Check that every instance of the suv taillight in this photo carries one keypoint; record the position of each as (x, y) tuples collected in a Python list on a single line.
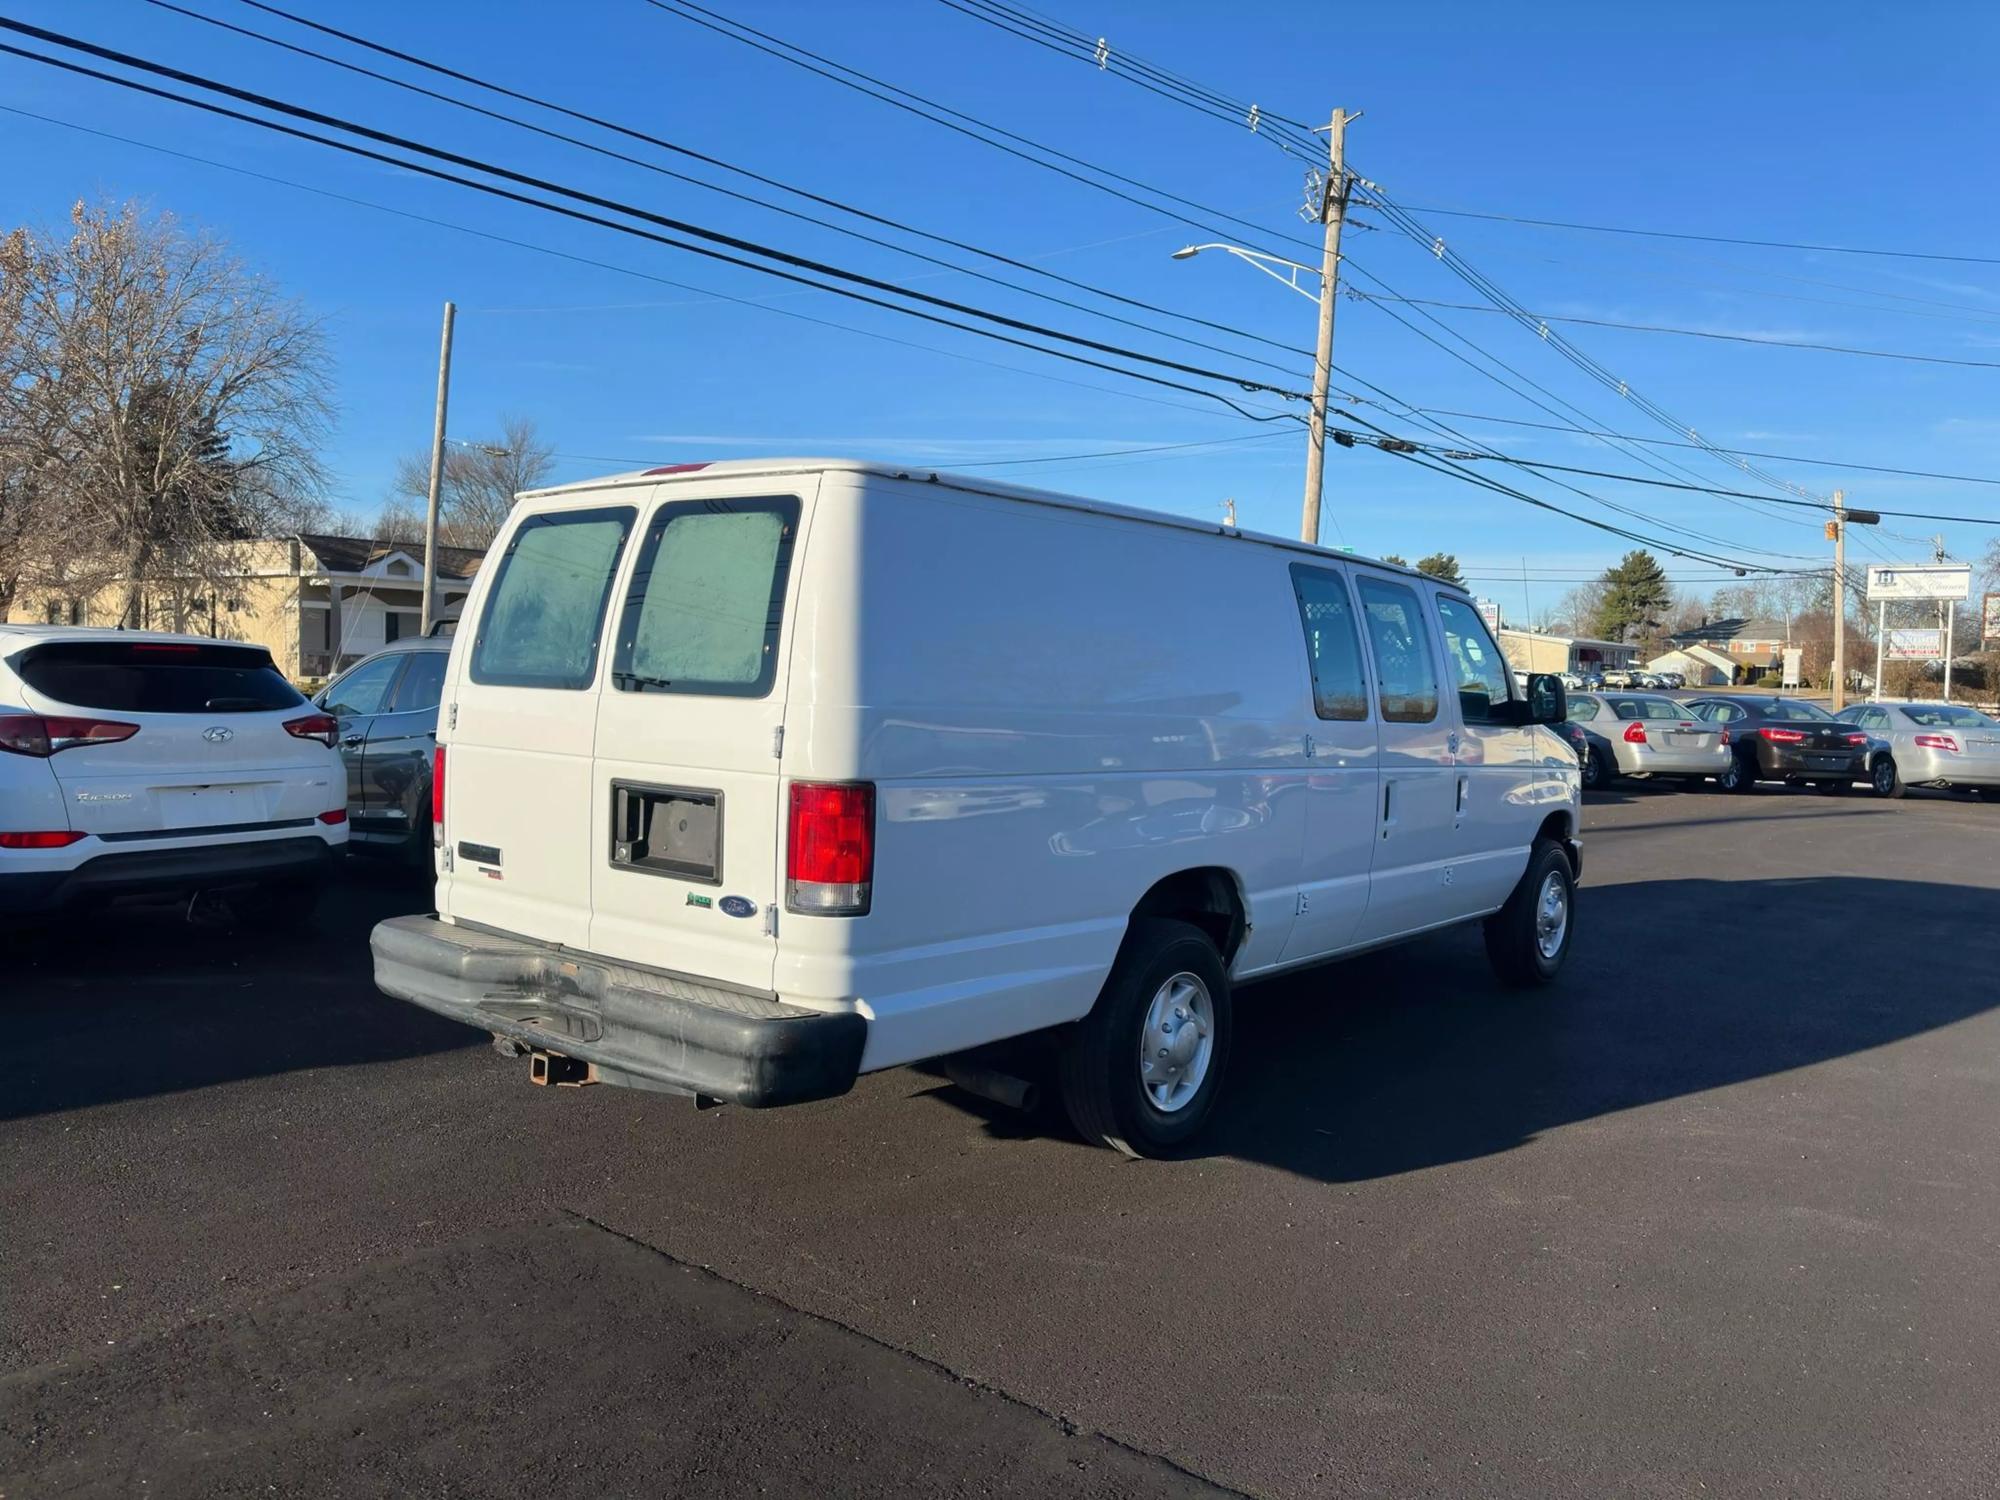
[(437, 795), (1937, 742), (321, 727), (1635, 733), (54, 839), (42, 735), (830, 848)]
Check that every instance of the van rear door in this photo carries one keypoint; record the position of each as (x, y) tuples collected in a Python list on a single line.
[(517, 802), (686, 830)]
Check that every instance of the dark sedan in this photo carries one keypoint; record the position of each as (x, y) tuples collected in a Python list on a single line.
[(1784, 739), (387, 705)]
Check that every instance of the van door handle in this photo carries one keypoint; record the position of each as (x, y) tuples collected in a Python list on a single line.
[(1463, 791), (1388, 806)]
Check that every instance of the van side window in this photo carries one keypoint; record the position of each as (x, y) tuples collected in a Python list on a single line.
[(545, 615), (1332, 646), (707, 598), (1406, 678), (1483, 677)]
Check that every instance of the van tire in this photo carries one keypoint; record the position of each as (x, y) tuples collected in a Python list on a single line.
[(1098, 1056), (1513, 933)]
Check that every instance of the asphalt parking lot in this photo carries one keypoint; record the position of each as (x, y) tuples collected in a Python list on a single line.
[(1720, 1214)]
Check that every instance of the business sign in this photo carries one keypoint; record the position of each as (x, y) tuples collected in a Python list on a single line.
[(1920, 581), (1989, 619), (1794, 667), (1914, 645), (1489, 611)]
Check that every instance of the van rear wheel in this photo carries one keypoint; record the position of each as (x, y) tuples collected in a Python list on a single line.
[(1141, 1072)]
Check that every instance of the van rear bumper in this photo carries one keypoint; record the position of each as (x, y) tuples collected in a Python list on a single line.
[(640, 1027)]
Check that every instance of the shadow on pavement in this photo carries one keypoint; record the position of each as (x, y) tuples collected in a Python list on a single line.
[(1416, 1056), (134, 1001)]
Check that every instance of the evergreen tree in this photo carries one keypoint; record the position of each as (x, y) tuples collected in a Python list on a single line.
[(1636, 599), (1442, 565)]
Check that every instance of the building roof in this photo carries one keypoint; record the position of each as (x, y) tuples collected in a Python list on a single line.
[(1734, 629), (355, 554), (1574, 640)]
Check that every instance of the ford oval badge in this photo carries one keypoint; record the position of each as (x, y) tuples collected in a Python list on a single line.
[(737, 906)]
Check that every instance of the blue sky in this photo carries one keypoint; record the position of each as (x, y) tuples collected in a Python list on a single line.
[(1835, 124)]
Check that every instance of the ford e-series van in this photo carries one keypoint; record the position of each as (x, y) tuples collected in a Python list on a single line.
[(755, 776)]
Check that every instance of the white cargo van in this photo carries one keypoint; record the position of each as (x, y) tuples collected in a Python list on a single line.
[(755, 776)]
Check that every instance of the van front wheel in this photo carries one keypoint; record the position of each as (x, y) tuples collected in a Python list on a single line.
[(1528, 938), (1141, 1072)]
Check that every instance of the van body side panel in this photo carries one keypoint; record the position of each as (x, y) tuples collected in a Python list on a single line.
[(1058, 711)]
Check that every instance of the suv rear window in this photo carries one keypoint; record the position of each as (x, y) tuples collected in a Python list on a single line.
[(707, 598), (545, 614), (156, 677)]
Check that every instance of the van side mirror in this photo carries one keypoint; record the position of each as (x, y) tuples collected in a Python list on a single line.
[(1548, 700)]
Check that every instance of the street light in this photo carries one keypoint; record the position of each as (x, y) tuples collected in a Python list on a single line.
[(1263, 262), (1322, 360)]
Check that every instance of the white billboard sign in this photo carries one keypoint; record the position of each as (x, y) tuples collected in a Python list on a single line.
[(1915, 645), (1920, 581), (1794, 667)]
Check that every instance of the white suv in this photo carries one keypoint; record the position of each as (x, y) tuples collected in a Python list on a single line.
[(755, 776), (137, 764)]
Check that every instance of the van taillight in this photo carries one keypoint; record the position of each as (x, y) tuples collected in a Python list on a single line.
[(437, 795), (830, 848)]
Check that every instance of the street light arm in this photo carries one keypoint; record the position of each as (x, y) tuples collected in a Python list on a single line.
[(1268, 264)]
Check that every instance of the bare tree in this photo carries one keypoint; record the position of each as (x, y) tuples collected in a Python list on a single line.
[(164, 404), (480, 483)]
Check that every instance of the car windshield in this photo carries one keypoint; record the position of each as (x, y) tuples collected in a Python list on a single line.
[(1947, 716), (1796, 712), (1649, 708)]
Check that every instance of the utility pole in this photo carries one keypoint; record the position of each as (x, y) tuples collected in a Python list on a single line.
[(1946, 612), (1332, 214), (1838, 527), (437, 469)]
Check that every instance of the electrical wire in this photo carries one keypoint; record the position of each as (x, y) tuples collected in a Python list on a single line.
[(919, 105), (713, 237), (1695, 333), (707, 160), (1713, 239), (1790, 458)]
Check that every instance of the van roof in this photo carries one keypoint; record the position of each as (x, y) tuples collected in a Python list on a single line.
[(739, 468)]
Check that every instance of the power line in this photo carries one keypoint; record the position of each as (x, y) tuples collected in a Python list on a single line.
[(783, 258), (921, 106), (701, 292), (707, 160), (1791, 458), (1712, 239), (1692, 333)]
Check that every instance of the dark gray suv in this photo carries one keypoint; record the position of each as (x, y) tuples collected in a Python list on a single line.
[(387, 705)]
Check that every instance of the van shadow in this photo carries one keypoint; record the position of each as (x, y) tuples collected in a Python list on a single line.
[(1416, 1056), (133, 1001)]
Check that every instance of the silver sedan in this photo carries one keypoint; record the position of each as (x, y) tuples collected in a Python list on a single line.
[(1645, 734), (1928, 744)]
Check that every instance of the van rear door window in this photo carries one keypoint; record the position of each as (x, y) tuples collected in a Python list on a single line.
[(707, 598), (545, 614)]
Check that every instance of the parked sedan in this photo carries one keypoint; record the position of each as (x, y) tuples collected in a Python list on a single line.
[(1927, 744), (387, 708), (1645, 734), (1783, 739)]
